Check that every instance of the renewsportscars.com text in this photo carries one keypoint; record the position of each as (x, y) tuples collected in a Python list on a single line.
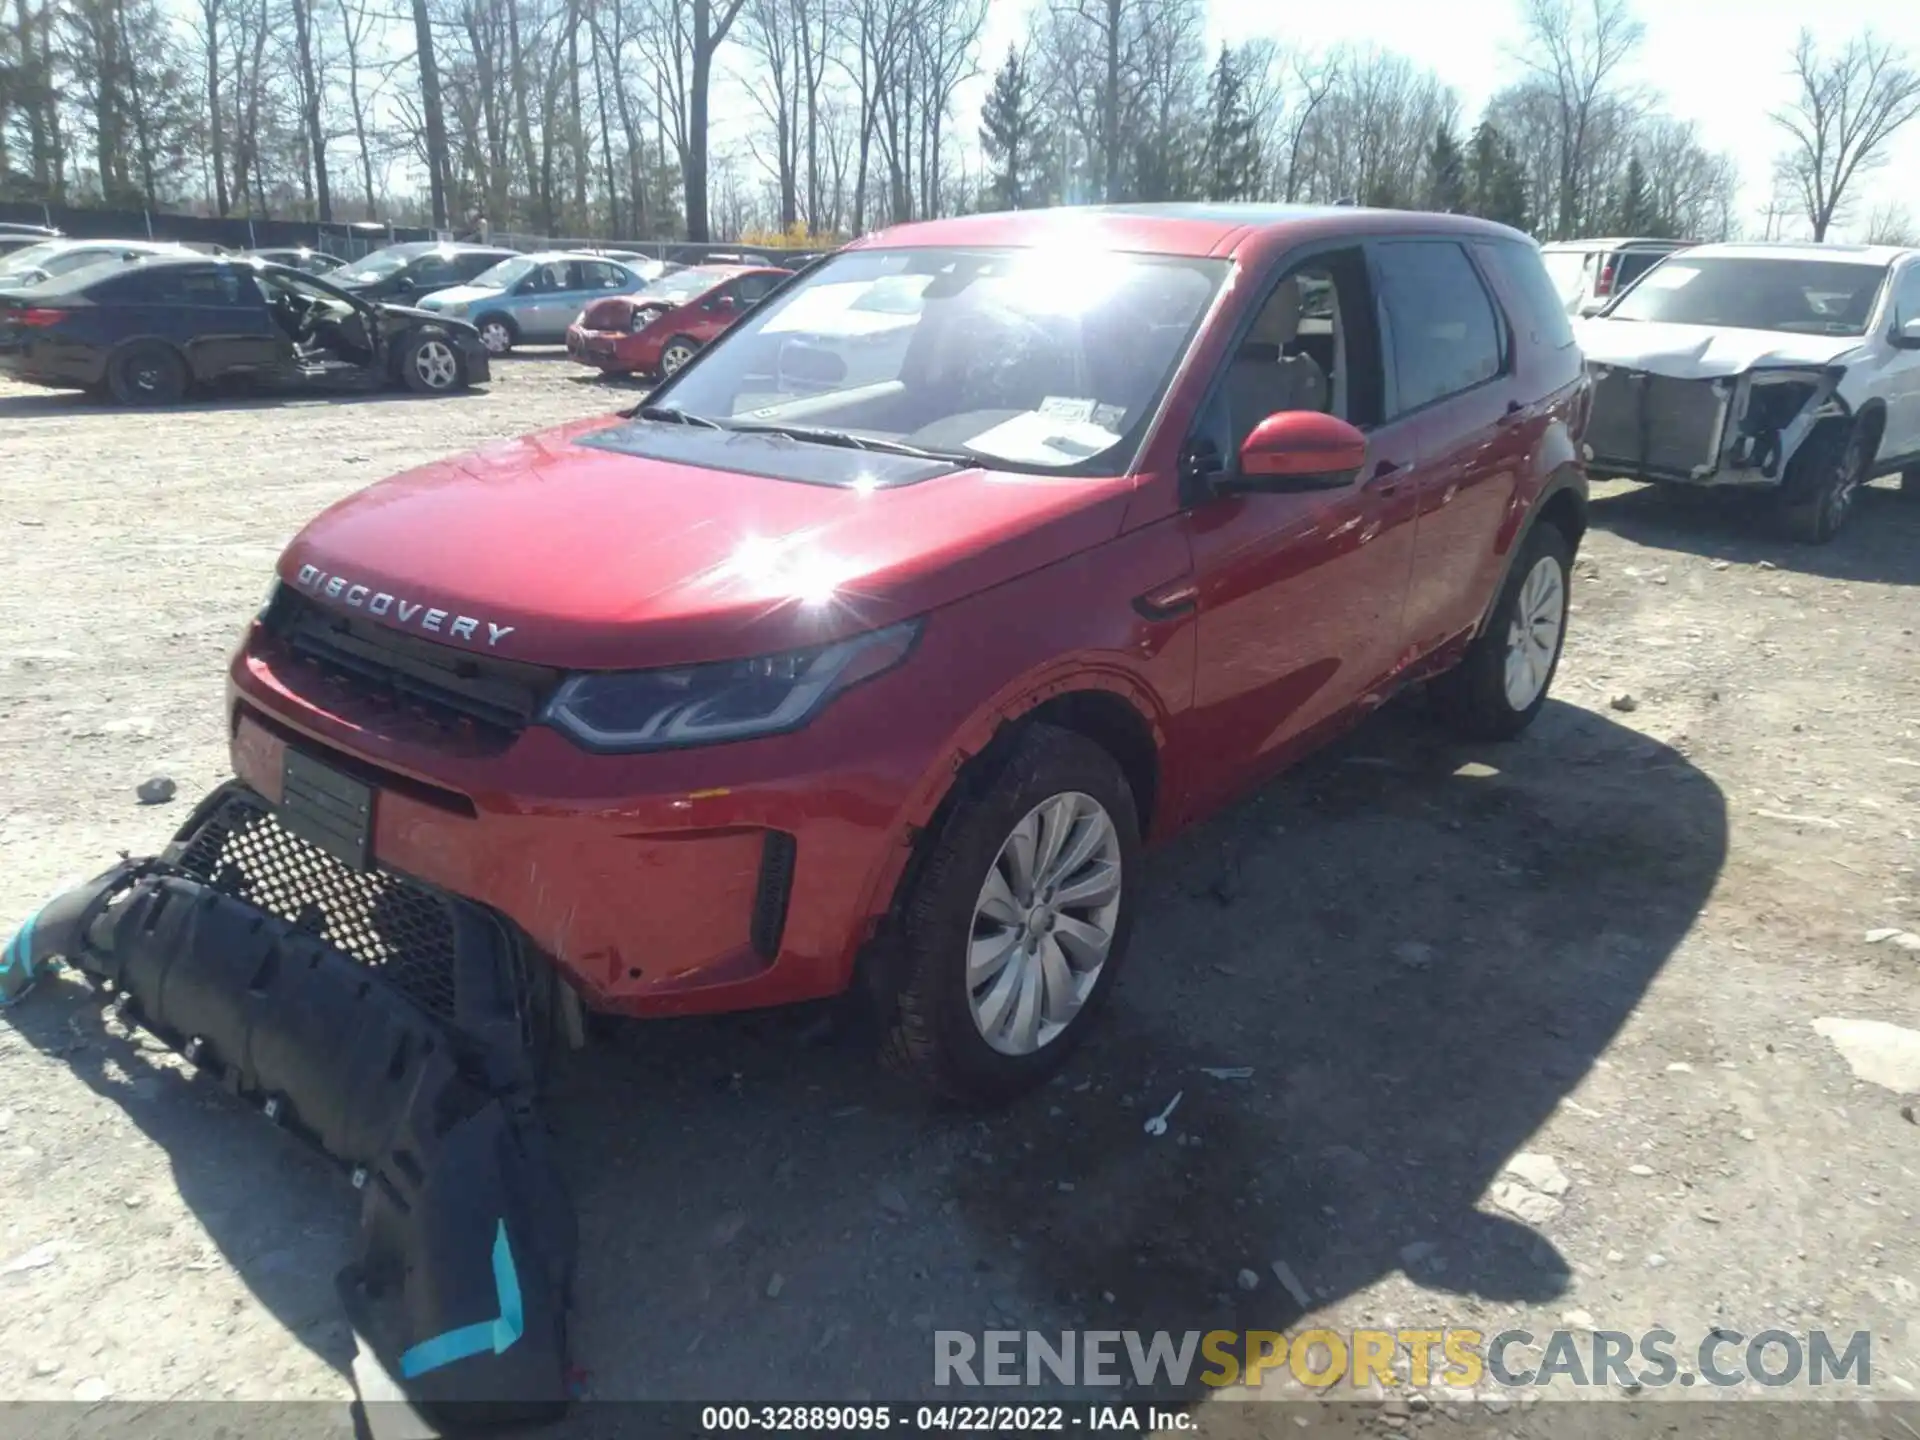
[(1457, 1358)]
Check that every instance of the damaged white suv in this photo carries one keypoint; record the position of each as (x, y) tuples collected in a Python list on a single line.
[(1793, 369)]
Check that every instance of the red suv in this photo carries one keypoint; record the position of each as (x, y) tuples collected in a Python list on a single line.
[(875, 645), (660, 328)]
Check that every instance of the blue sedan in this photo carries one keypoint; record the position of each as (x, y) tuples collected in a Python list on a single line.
[(531, 299)]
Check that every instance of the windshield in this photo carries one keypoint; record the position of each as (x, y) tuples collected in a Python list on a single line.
[(1029, 359), (1803, 297), (377, 266), (682, 285), (507, 273)]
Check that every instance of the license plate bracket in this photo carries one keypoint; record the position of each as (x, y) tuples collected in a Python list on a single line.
[(327, 808)]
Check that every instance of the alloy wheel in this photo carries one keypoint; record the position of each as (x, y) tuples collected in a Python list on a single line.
[(1043, 923), (435, 364), (1534, 632), (496, 337), (675, 357)]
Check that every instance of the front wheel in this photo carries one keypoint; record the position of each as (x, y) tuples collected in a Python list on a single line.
[(430, 367), (496, 333), (1502, 683), (1016, 926), (1823, 479)]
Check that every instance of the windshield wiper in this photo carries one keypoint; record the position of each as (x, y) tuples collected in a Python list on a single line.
[(666, 414), (846, 441)]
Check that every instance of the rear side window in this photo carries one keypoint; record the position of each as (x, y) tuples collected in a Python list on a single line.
[(1444, 335), (1633, 264), (1541, 315), (467, 266)]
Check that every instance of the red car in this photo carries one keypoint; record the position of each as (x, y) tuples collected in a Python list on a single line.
[(873, 648), (657, 330)]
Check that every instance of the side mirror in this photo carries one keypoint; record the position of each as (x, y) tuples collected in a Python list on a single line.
[(1906, 336), (1297, 450), (723, 302)]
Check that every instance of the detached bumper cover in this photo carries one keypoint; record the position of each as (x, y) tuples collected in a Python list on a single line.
[(462, 1273)]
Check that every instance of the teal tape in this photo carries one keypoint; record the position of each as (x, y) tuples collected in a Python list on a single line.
[(495, 1335), (19, 952)]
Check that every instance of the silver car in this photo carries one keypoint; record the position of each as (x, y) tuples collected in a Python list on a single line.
[(31, 264), (531, 299)]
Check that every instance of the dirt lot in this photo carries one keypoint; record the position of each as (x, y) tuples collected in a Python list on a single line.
[(1604, 948)]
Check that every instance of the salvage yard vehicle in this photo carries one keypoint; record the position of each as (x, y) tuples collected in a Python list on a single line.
[(18, 237), (657, 330), (532, 299), (32, 264), (1790, 371), (877, 683), (147, 331), (403, 273), (1590, 273), (299, 257)]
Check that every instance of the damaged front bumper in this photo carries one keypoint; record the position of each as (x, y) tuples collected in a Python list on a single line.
[(461, 1279), (1729, 430)]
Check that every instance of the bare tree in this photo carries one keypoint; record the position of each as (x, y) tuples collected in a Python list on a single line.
[(1577, 47), (432, 115), (1850, 104), (1892, 225)]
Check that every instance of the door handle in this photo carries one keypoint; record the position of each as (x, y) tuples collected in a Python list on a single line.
[(1385, 477), (1513, 415)]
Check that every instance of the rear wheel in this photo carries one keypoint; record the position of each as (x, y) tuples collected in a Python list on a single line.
[(147, 373), (496, 333), (1015, 928), (1494, 693), (677, 353), (430, 366), (1822, 482)]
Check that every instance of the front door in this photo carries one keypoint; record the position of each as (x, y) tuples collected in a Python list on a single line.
[(1902, 438), (1299, 595)]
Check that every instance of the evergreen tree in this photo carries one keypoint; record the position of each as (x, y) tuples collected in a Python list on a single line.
[(1496, 181), (1634, 210), (1007, 134), (1233, 152), (1446, 172)]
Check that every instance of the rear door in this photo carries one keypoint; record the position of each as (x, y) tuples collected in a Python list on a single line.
[(214, 315), (1450, 350)]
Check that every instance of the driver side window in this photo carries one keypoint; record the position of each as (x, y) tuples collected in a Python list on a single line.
[(1906, 296), (1312, 345)]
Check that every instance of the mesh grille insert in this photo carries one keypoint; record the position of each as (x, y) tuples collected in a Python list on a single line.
[(385, 921)]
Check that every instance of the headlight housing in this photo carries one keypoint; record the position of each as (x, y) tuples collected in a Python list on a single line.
[(635, 710)]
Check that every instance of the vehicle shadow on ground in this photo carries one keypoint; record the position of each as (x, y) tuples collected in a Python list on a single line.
[(1417, 964), (1881, 542)]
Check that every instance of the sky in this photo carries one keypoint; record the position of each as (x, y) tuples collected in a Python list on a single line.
[(1721, 63)]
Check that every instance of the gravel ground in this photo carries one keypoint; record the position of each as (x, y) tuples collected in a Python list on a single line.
[(1532, 1029)]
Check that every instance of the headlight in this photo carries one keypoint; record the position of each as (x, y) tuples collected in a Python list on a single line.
[(733, 700), (451, 307), (641, 319), (266, 603)]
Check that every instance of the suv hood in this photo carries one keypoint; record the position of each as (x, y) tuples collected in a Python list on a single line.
[(582, 558), (1701, 352)]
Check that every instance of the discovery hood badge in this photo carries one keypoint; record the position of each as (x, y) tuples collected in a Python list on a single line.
[(412, 614)]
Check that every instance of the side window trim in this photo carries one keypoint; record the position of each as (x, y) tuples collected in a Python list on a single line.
[(1502, 327)]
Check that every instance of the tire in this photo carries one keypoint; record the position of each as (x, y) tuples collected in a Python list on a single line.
[(1475, 699), (1822, 482), (937, 1025), (498, 333), (147, 373), (431, 366), (675, 354)]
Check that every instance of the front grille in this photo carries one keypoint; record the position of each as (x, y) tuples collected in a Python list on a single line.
[(1654, 423), (450, 687), (405, 930)]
